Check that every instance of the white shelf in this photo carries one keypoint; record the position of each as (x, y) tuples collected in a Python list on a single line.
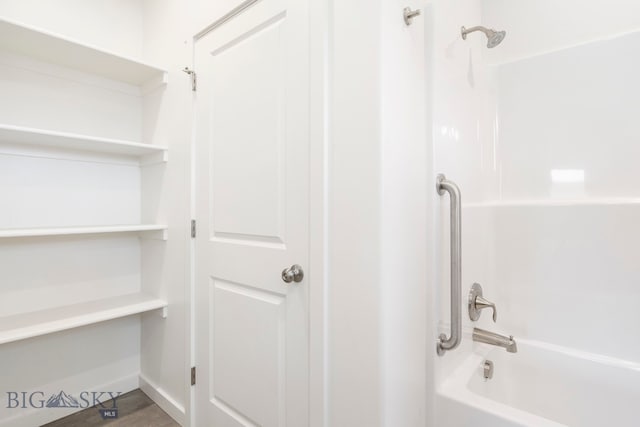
[(66, 231), (28, 325), (57, 49), (10, 134)]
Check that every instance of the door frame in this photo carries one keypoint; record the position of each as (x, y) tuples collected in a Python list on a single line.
[(316, 273)]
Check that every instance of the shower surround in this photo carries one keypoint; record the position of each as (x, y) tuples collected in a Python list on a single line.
[(541, 134)]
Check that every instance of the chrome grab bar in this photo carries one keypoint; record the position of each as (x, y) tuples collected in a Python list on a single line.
[(443, 185)]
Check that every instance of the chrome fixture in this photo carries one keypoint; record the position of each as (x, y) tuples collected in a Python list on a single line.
[(191, 74), (508, 343), (409, 14), (478, 303), (443, 185), (494, 38), (293, 274), (487, 368)]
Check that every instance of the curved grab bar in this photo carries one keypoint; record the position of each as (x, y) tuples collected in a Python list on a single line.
[(443, 185)]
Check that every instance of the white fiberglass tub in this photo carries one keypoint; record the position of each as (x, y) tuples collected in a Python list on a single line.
[(540, 386)]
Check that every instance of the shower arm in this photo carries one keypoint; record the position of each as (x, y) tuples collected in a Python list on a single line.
[(444, 344), (466, 31)]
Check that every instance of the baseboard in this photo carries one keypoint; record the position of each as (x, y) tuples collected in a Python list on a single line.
[(37, 417), (163, 400)]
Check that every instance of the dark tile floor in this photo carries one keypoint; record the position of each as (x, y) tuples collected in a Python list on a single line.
[(135, 409)]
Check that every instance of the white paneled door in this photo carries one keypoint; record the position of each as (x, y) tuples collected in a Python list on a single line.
[(252, 193)]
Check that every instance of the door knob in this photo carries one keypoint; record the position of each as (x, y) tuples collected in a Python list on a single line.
[(293, 274)]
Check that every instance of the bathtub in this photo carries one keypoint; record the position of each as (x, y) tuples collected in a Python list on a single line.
[(540, 386)]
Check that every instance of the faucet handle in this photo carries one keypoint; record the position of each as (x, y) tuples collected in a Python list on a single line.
[(477, 303), (482, 303)]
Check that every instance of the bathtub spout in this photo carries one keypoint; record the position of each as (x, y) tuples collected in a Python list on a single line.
[(508, 343)]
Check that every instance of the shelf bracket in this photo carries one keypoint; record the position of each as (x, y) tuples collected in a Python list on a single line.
[(155, 83), (155, 158), (155, 235), (165, 312)]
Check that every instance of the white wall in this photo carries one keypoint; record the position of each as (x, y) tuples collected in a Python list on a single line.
[(166, 351), (405, 189), (354, 294), (56, 98), (377, 217), (115, 25), (536, 27)]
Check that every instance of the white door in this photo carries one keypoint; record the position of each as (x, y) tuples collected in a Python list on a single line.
[(252, 179)]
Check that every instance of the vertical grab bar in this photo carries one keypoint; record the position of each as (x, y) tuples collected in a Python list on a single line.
[(443, 185)]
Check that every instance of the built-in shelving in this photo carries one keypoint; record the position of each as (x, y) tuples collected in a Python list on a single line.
[(81, 223), (37, 323), (67, 231), (21, 135), (60, 50)]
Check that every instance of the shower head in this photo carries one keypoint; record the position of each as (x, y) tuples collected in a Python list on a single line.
[(494, 38)]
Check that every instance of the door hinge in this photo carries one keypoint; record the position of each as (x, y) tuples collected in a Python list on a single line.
[(193, 375), (192, 74), (193, 228)]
